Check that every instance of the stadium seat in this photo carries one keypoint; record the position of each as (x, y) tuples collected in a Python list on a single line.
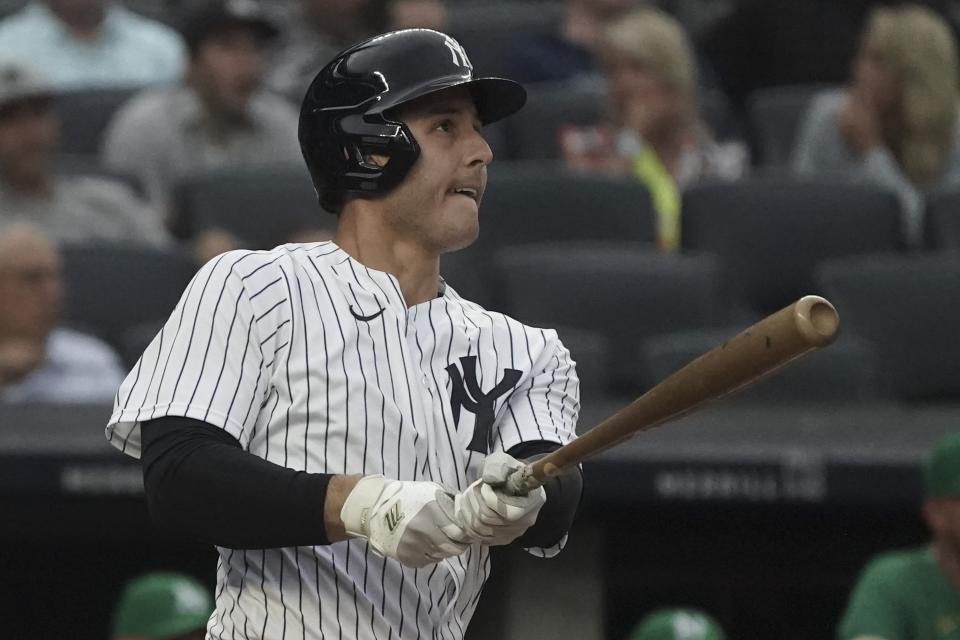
[(83, 165), (942, 221), (909, 307), (533, 202), (776, 115), (844, 372), (115, 290), (490, 31), (84, 117), (533, 133), (770, 232), (263, 206), (620, 291)]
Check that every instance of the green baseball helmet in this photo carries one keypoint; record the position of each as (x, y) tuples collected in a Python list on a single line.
[(941, 469), (159, 606), (678, 624)]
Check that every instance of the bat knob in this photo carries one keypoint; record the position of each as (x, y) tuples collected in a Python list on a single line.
[(816, 319)]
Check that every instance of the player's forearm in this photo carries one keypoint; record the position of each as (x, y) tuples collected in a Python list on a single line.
[(200, 482)]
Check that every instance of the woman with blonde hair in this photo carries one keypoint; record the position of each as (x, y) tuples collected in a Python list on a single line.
[(895, 124), (655, 131)]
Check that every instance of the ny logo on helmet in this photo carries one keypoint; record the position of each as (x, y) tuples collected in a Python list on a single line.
[(466, 393), (456, 50)]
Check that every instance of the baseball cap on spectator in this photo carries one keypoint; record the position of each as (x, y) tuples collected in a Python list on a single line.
[(207, 17), (19, 83), (941, 469), (678, 624), (162, 605)]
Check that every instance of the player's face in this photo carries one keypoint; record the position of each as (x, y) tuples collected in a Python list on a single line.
[(438, 202), (226, 69), (28, 139)]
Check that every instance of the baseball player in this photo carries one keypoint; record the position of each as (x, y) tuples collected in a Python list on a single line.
[(333, 416)]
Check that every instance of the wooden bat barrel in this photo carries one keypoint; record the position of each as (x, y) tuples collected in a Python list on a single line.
[(808, 324)]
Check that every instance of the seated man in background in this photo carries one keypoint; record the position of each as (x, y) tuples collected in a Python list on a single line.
[(67, 208), (657, 134), (82, 44), (914, 594), (40, 362), (315, 32), (162, 606), (677, 624), (895, 124), (220, 117)]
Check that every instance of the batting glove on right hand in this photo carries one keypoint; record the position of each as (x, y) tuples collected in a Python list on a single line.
[(489, 514), (412, 522)]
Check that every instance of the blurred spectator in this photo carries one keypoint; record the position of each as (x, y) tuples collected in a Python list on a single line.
[(914, 594), (162, 606), (91, 43), (571, 51), (895, 124), (393, 15), (766, 43), (317, 31), (677, 624), (40, 362), (657, 133), (65, 207), (220, 117)]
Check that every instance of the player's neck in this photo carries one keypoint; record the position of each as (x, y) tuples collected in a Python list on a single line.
[(417, 270)]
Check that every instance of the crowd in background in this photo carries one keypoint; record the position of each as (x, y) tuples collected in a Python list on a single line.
[(190, 88)]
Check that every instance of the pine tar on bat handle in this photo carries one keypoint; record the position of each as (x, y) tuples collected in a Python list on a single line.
[(808, 324)]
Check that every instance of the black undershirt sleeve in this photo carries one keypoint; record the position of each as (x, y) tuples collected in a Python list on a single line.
[(199, 481), (563, 499)]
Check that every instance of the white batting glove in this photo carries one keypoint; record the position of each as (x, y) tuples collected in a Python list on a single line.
[(412, 522), (489, 515)]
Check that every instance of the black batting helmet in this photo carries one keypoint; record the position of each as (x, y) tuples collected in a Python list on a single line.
[(345, 115)]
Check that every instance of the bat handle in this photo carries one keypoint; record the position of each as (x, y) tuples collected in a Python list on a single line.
[(522, 481)]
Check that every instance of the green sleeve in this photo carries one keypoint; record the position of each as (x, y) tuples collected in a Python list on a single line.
[(874, 608)]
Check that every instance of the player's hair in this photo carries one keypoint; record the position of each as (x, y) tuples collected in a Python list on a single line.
[(919, 47), (654, 39)]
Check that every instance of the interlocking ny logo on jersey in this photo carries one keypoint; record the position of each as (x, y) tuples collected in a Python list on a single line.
[(466, 394), (393, 517)]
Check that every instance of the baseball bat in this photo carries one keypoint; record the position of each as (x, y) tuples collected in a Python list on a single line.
[(808, 324)]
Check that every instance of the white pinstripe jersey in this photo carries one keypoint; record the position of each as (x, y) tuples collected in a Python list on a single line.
[(314, 362)]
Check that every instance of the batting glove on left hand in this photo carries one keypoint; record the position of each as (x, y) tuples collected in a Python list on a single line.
[(490, 515)]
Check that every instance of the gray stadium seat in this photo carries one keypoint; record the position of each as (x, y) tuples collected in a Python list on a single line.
[(490, 31), (776, 115), (115, 289), (84, 117), (620, 291), (533, 133), (846, 371), (533, 202), (83, 165), (263, 206), (942, 221), (909, 307), (770, 232)]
